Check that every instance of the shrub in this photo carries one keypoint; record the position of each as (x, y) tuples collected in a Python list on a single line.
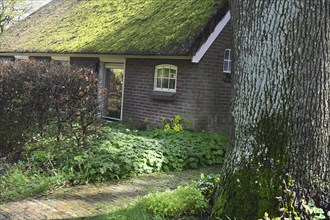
[(188, 149), (121, 152), (206, 185), (45, 98)]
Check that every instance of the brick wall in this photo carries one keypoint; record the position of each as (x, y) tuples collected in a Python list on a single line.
[(203, 93), (140, 102), (213, 98)]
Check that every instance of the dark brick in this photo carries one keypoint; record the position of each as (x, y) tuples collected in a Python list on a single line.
[(203, 97)]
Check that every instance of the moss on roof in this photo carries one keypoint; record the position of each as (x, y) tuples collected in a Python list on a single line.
[(167, 27)]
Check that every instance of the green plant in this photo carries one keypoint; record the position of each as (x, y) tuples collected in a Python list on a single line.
[(132, 212), (20, 182), (116, 152), (313, 212), (206, 184), (144, 125), (173, 125), (292, 209), (122, 152), (182, 203)]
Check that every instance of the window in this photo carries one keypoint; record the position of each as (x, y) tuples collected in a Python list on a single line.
[(227, 61), (165, 78), (7, 58)]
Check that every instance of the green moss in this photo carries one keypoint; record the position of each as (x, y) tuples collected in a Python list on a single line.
[(248, 195), (251, 190), (117, 27)]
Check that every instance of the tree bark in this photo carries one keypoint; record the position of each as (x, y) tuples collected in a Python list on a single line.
[(281, 106)]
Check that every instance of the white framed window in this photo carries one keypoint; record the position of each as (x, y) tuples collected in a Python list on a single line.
[(227, 61), (165, 78)]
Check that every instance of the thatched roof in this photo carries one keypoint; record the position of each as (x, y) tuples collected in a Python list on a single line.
[(129, 27)]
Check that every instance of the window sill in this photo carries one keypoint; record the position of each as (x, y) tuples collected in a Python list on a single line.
[(163, 96)]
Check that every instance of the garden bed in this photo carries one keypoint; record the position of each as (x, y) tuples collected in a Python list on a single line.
[(116, 152)]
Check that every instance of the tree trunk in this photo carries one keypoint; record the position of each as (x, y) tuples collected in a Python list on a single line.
[(281, 106)]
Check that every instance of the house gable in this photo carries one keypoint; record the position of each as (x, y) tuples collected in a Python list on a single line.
[(213, 36)]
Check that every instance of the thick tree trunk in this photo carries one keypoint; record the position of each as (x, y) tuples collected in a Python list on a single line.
[(281, 105)]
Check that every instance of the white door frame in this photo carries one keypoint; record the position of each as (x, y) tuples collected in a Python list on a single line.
[(113, 65)]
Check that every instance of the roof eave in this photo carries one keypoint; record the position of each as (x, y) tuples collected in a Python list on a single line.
[(218, 29)]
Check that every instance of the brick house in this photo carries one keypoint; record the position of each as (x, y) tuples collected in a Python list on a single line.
[(156, 58)]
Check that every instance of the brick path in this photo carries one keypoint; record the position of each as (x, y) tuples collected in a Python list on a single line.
[(92, 200)]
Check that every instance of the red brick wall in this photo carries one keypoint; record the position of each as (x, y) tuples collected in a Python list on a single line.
[(203, 94)]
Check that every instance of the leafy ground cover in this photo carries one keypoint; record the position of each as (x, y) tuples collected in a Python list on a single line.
[(117, 152)]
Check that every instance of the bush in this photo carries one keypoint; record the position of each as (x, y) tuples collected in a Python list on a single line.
[(206, 185), (122, 152), (45, 98)]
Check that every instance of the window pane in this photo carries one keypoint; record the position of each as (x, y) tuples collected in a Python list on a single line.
[(229, 66), (165, 84), (173, 73), (159, 83), (227, 54), (226, 66), (160, 72), (166, 72), (172, 84), (165, 76)]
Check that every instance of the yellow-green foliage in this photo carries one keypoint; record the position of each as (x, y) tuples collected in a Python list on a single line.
[(110, 26), (174, 125)]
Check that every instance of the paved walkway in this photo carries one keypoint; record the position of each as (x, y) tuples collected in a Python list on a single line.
[(93, 200)]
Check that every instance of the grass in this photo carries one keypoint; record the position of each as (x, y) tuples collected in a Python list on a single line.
[(187, 202)]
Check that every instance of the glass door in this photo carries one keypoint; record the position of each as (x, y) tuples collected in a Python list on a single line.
[(113, 83)]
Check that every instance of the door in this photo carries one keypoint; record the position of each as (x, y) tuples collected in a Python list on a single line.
[(114, 84)]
